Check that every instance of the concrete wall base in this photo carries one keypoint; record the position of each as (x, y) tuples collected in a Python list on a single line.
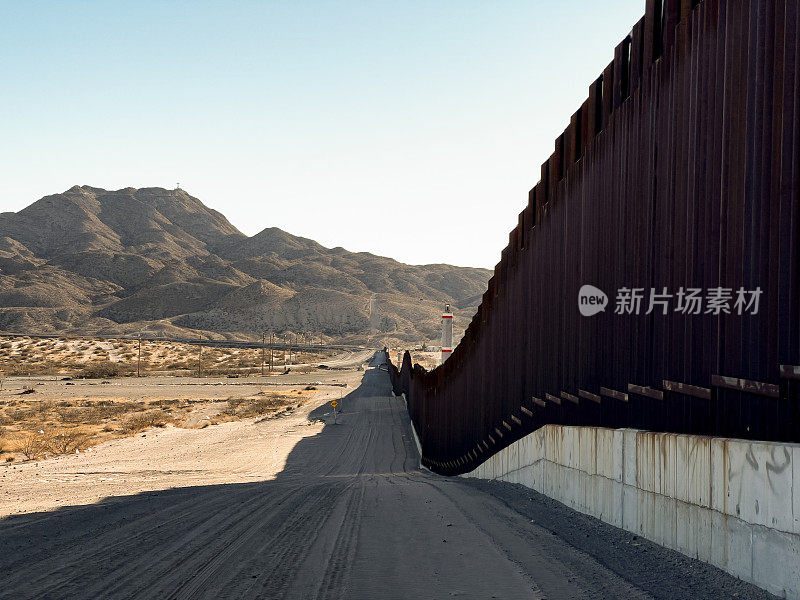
[(732, 503), (414, 433)]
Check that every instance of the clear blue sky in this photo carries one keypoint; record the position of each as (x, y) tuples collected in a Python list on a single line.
[(411, 129)]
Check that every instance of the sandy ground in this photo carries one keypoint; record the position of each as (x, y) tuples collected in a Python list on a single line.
[(154, 388), (99, 410), (292, 508), (158, 459)]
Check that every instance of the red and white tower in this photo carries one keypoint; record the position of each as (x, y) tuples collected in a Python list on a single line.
[(447, 333)]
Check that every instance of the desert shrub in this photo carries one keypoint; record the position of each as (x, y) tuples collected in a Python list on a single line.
[(32, 446), (110, 410), (67, 441), (233, 406), (43, 407), (21, 414), (253, 407), (96, 413), (76, 414), (179, 364), (165, 403), (102, 370), (144, 420)]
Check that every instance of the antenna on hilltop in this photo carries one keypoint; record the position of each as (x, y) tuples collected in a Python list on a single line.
[(177, 186)]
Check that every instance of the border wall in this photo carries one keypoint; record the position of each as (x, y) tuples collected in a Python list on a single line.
[(681, 169)]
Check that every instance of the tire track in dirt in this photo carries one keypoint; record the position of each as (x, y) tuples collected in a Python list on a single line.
[(334, 582), (267, 547), (351, 515)]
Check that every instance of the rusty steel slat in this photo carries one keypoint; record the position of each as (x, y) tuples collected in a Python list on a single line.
[(556, 166), (526, 411), (585, 136), (646, 391), (651, 33), (542, 193), (672, 10), (594, 122), (538, 401), (619, 76), (637, 55), (746, 385), (688, 390), (608, 94), (569, 143)]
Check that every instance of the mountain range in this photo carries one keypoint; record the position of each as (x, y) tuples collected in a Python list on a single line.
[(96, 262)]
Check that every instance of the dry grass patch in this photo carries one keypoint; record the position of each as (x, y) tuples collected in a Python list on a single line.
[(244, 408), (145, 420), (35, 429)]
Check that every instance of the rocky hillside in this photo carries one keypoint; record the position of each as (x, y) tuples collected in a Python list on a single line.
[(102, 262)]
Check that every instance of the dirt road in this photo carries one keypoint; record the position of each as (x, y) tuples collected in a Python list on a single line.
[(349, 359), (347, 515)]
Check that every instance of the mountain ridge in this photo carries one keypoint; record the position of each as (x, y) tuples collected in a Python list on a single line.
[(95, 261)]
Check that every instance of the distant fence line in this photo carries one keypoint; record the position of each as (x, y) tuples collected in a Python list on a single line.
[(680, 170)]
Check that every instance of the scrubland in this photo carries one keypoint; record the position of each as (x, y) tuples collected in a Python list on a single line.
[(61, 396)]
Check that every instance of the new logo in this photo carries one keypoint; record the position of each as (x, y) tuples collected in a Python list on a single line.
[(591, 300)]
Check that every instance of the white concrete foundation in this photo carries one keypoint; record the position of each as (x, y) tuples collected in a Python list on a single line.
[(414, 432), (732, 503)]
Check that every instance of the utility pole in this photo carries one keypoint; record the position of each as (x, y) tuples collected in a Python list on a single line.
[(263, 351), (139, 360), (200, 359), (271, 350)]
